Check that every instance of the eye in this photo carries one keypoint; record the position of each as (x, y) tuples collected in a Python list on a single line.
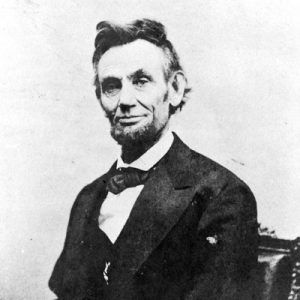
[(111, 87), (141, 81)]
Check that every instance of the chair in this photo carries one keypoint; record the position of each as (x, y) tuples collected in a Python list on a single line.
[(278, 274)]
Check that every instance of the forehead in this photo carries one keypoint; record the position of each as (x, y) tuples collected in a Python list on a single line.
[(126, 59)]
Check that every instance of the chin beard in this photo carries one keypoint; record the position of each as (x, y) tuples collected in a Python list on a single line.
[(136, 142), (141, 137)]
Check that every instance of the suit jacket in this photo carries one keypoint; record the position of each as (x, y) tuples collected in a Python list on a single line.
[(192, 234)]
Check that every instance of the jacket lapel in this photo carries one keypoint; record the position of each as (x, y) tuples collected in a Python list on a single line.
[(165, 196)]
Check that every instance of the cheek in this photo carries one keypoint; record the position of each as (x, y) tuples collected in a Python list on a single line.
[(153, 100), (161, 112), (109, 105), (161, 109)]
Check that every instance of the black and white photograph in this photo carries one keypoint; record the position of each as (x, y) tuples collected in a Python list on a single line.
[(150, 150)]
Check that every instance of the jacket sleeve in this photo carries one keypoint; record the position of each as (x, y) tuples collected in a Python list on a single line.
[(228, 233), (57, 282)]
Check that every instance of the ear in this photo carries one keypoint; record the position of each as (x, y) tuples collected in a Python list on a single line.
[(177, 84)]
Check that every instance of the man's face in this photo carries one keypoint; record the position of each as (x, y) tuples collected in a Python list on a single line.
[(134, 91)]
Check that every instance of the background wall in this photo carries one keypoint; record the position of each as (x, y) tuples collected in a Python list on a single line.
[(243, 62)]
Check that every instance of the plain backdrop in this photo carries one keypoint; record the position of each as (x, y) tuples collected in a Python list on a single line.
[(242, 59)]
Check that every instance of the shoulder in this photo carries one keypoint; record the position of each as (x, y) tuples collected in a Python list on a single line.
[(217, 186), (220, 180), (214, 173), (87, 195), (225, 194), (200, 169)]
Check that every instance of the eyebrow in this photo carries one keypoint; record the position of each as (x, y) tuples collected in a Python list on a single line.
[(108, 78), (136, 74), (140, 73)]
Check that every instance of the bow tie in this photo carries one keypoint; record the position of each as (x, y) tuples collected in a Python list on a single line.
[(124, 178)]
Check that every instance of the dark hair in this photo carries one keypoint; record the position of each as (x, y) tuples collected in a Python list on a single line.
[(111, 35)]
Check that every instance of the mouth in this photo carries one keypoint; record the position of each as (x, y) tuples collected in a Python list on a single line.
[(129, 120)]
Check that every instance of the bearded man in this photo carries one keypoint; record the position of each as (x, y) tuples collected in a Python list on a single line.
[(165, 222)]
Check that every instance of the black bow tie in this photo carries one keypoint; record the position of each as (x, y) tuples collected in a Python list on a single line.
[(124, 178)]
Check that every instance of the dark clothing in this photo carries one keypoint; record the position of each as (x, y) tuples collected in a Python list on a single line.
[(192, 234)]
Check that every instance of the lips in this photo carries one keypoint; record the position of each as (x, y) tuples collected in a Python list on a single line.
[(128, 120)]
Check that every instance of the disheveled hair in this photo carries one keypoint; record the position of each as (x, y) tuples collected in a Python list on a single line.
[(111, 35)]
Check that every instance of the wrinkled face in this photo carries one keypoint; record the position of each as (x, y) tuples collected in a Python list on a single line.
[(134, 91)]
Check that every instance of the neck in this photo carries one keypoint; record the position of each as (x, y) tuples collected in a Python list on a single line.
[(134, 150)]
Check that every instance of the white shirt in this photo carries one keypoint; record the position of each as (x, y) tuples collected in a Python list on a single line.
[(115, 209)]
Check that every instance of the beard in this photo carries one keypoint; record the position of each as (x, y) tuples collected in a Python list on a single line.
[(135, 142), (140, 137)]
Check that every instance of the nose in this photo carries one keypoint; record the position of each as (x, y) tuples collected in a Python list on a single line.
[(127, 97)]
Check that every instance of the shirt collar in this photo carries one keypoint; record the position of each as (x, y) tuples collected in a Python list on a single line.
[(152, 156)]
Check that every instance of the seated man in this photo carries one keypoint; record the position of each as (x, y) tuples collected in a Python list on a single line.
[(165, 222)]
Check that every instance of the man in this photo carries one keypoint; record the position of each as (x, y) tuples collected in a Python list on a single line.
[(164, 222)]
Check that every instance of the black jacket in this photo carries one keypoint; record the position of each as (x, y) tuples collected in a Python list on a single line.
[(192, 234)]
